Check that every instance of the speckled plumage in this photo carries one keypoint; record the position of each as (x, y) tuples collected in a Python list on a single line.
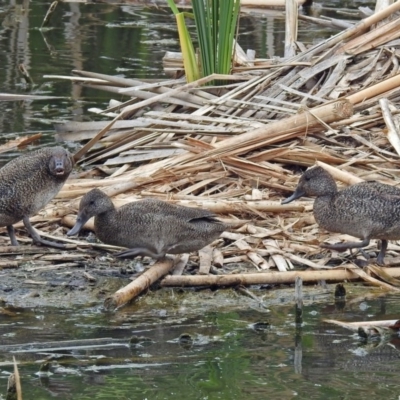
[(148, 227), (28, 183), (368, 210)]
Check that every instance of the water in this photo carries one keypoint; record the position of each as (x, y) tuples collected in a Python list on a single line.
[(228, 357), (127, 40)]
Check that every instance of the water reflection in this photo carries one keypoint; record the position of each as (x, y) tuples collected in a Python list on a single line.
[(229, 357), (129, 40)]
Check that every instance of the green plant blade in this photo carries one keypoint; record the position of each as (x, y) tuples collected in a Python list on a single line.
[(188, 53), (216, 22)]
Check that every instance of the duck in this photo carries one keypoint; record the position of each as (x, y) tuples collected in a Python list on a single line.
[(366, 210), (27, 184), (148, 227)]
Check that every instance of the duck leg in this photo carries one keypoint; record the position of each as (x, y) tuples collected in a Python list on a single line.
[(365, 254), (11, 233), (36, 237), (381, 255), (140, 252), (346, 245)]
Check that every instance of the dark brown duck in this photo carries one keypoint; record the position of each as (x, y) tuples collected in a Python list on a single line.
[(148, 227), (367, 210), (28, 183)]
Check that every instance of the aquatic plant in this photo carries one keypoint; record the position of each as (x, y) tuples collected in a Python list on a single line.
[(216, 22)]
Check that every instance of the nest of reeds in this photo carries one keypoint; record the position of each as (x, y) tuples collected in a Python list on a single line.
[(238, 149)]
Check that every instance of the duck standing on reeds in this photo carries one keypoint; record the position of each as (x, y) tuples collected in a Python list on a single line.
[(148, 227), (28, 183), (367, 210)]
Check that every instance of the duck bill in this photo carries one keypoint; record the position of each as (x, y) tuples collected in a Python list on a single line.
[(80, 221), (296, 195)]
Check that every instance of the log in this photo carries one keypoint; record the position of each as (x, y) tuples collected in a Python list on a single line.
[(143, 282), (337, 275), (8, 264)]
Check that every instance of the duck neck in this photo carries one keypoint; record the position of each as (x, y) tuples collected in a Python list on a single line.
[(104, 219), (328, 188)]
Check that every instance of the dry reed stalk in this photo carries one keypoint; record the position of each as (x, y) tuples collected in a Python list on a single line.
[(278, 259), (376, 90), (372, 39), (328, 22), (354, 326), (392, 130), (205, 260), (375, 282), (17, 378), (241, 161), (128, 110), (255, 258), (181, 264), (263, 278), (291, 16), (303, 261), (9, 264), (340, 175), (358, 29), (143, 282), (218, 258), (19, 142), (299, 123), (381, 274)]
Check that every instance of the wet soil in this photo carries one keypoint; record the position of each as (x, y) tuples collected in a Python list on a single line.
[(36, 276)]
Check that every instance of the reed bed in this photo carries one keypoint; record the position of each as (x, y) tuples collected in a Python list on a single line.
[(238, 149)]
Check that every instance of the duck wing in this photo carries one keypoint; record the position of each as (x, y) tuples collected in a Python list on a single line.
[(364, 210)]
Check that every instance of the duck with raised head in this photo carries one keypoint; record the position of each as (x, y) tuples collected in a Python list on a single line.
[(28, 183), (366, 210), (148, 227)]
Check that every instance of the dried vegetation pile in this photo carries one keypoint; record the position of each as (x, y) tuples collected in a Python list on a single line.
[(238, 150)]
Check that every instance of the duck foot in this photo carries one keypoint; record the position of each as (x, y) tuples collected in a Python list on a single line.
[(37, 240), (346, 245), (43, 242), (361, 263), (379, 259), (369, 260), (131, 253)]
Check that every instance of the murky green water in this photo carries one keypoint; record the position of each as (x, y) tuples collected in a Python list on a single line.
[(228, 358), (237, 350), (128, 40)]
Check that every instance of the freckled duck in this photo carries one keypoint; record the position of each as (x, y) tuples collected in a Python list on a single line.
[(367, 210), (28, 183), (148, 227)]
